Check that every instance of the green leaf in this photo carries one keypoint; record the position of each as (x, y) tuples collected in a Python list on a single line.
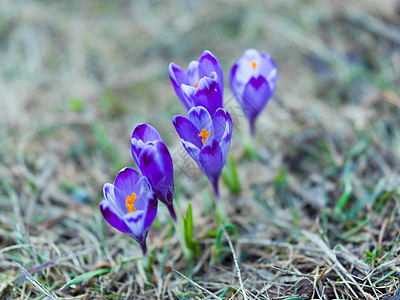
[(282, 178), (379, 251), (347, 191), (189, 226), (86, 276), (369, 254), (384, 277), (76, 104), (230, 177)]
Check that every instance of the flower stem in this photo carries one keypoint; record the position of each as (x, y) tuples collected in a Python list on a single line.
[(144, 247), (252, 123), (249, 147), (144, 265), (179, 226), (172, 211), (216, 190), (220, 212)]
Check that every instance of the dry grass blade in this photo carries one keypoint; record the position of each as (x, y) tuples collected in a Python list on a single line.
[(70, 98), (318, 241), (196, 285), (35, 282), (236, 262)]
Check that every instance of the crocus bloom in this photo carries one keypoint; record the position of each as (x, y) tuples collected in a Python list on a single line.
[(206, 139), (202, 85), (130, 205), (154, 161), (253, 81)]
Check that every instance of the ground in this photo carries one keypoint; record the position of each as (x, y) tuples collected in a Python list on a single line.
[(314, 211)]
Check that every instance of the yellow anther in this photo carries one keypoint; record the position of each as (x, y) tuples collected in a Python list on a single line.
[(129, 203), (204, 134), (254, 65)]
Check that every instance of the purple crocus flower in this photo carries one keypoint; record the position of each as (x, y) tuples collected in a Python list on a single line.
[(202, 85), (154, 161), (130, 205), (206, 139), (253, 81)]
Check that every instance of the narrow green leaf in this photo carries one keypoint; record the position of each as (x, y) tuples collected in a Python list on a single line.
[(230, 177), (189, 226), (348, 190), (85, 276), (384, 277), (369, 254)]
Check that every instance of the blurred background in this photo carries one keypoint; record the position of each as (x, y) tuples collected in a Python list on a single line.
[(76, 77)]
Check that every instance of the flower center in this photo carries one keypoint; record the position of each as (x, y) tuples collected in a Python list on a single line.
[(196, 85), (129, 203), (204, 134), (254, 65)]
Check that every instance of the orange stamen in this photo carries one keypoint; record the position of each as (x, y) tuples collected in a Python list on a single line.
[(204, 134), (129, 203), (254, 65), (196, 84)]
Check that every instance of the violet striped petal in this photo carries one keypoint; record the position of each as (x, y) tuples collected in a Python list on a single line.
[(212, 161), (126, 180), (156, 165), (178, 77), (255, 96), (209, 64), (113, 217), (187, 130)]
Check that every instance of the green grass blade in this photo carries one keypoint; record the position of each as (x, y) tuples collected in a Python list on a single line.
[(85, 276)]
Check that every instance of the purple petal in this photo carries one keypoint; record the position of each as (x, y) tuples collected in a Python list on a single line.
[(142, 134), (222, 122), (146, 133), (200, 118), (140, 220), (255, 96), (209, 64), (136, 148), (149, 201), (178, 77), (135, 222), (144, 193), (146, 201), (212, 161), (126, 181), (194, 73), (112, 217), (156, 165), (193, 151), (269, 69), (251, 55), (233, 84), (243, 70), (187, 131), (116, 201), (188, 93), (208, 94)]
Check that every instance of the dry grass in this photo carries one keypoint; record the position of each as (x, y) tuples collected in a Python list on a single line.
[(78, 76)]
